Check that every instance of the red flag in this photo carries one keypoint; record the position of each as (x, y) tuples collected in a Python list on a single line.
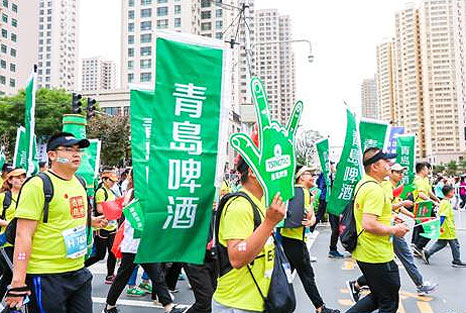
[(117, 242), (112, 209), (398, 191)]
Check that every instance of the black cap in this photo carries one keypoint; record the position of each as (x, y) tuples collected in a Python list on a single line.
[(379, 156), (67, 140)]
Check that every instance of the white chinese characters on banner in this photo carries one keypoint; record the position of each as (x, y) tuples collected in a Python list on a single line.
[(189, 100)]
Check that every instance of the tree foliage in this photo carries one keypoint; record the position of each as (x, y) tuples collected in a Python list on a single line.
[(114, 132), (306, 153), (50, 107)]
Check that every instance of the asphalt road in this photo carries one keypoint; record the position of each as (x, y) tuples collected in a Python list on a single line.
[(331, 275)]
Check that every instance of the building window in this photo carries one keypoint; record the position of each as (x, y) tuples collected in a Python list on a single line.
[(161, 1), (5, 3), (177, 9), (131, 15), (13, 37), (131, 52), (205, 15), (219, 35), (219, 24), (177, 22), (14, 8), (146, 13), (161, 24), (146, 2), (145, 64), (130, 77), (2, 80), (147, 25), (4, 18), (163, 11), (131, 39), (205, 3), (3, 64), (12, 67), (206, 26), (14, 22), (131, 27), (146, 38), (131, 3), (3, 48), (146, 51), (130, 65), (219, 13), (145, 77), (12, 82), (4, 33)]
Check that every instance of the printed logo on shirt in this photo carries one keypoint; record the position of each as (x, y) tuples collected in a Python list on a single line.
[(77, 209)]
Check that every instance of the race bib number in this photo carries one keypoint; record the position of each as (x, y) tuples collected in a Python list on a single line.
[(269, 257), (75, 242)]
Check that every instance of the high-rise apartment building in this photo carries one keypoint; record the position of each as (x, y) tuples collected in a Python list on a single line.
[(18, 44), (369, 104), (58, 44), (384, 82), (275, 62), (459, 26), (98, 74)]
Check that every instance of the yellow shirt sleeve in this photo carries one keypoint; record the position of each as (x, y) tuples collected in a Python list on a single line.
[(445, 207), (238, 220), (32, 206), (100, 195)]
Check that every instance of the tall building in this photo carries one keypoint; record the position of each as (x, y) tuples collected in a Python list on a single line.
[(385, 81), (275, 62), (444, 129), (18, 44), (98, 74), (369, 104), (58, 44)]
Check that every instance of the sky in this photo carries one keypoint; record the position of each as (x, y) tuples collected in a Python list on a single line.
[(344, 36)]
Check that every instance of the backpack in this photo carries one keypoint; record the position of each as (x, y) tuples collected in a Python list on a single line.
[(6, 203), (348, 233), (10, 231), (281, 297)]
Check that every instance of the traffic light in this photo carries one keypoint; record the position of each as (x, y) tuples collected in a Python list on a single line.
[(76, 103), (90, 107)]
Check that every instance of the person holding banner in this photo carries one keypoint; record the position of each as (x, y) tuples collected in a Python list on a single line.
[(448, 231), (374, 250), (48, 262), (103, 239), (9, 196)]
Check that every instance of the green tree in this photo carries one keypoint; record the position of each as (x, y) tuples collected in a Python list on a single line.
[(50, 107), (114, 132), (452, 167)]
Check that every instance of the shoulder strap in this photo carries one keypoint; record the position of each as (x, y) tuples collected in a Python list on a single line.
[(6, 203), (356, 193), (48, 194)]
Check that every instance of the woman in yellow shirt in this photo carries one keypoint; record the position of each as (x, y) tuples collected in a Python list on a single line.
[(10, 190)]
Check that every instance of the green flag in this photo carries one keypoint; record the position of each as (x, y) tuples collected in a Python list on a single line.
[(32, 164), (423, 209), (349, 169), (2, 156), (373, 133), (322, 147), (133, 213), (431, 229), (406, 156), (178, 135)]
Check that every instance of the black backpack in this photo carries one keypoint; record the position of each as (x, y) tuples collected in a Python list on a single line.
[(10, 231), (348, 233), (6, 203)]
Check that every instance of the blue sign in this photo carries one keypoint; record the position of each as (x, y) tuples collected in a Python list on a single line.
[(395, 131)]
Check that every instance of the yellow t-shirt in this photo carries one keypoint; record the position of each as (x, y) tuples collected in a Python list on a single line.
[(448, 230), (298, 233), (100, 197), (422, 185), (10, 212), (236, 289), (371, 199), (67, 213)]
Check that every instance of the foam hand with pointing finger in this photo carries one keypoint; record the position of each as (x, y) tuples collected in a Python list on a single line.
[(273, 160)]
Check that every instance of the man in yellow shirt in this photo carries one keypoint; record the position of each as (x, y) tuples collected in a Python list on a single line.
[(374, 250), (49, 252), (244, 251)]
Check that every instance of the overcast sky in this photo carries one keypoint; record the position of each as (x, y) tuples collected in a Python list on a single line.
[(344, 35)]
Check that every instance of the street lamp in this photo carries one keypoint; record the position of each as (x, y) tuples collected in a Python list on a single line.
[(310, 57)]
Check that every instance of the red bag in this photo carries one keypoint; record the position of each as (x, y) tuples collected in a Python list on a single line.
[(117, 242), (112, 209)]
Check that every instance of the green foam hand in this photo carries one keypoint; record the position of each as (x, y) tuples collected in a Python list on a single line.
[(273, 161)]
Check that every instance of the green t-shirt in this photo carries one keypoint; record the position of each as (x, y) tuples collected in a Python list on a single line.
[(448, 230), (100, 197), (371, 199), (67, 213), (10, 212), (236, 289)]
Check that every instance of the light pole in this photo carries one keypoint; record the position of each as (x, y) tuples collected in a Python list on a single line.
[(310, 57)]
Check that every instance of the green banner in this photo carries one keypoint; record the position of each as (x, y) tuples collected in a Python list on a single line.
[(323, 152), (406, 156), (20, 157), (176, 133), (373, 133), (29, 124), (133, 213), (2, 157), (349, 169)]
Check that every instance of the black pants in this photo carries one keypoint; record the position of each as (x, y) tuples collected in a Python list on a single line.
[(61, 293), (298, 255), (320, 214), (172, 273), (154, 270), (103, 242), (383, 280), (7, 275), (203, 279), (334, 225)]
